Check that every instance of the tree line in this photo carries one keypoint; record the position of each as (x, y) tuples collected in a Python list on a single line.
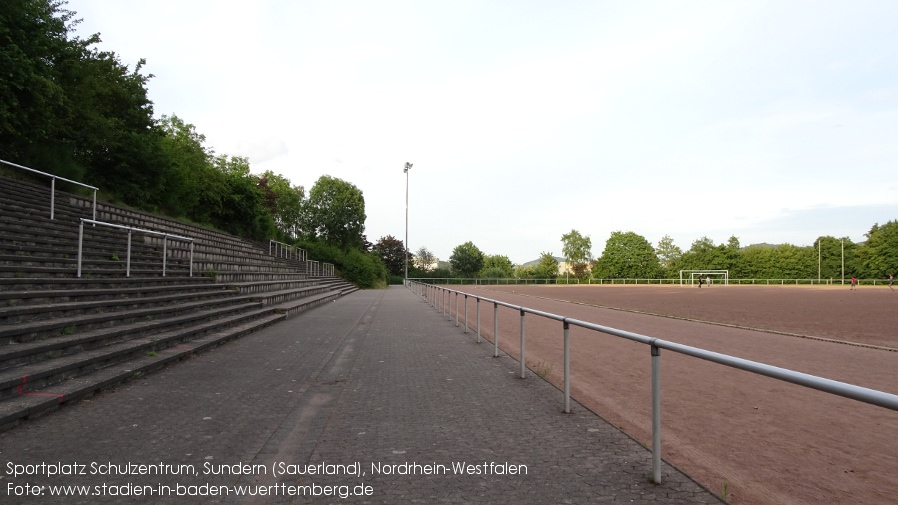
[(628, 255), (75, 111)]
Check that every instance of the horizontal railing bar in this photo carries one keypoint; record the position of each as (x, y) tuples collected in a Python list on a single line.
[(49, 175), (139, 230)]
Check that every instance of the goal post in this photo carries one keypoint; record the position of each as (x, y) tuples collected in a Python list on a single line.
[(722, 276)]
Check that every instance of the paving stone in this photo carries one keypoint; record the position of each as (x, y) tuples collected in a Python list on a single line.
[(377, 378)]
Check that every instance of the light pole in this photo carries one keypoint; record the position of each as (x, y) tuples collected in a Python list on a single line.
[(408, 166)]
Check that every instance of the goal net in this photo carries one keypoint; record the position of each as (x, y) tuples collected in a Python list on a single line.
[(715, 276)]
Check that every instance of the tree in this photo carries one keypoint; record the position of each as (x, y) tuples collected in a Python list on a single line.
[(547, 268), (241, 210), (33, 39), (668, 254), (283, 201), (577, 251), (336, 212), (392, 252), (466, 259), (879, 255), (628, 256), (424, 259), (703, 255), (497, 266)]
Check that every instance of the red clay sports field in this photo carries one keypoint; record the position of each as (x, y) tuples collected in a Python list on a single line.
[(756, 439)]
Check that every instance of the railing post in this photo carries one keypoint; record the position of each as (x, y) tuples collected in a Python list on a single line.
[(456, 309), (128, 266), (567, 368), (52, 196), (523, 358), (191, 259), (466, 312), (164, 253), (80, 242), (656, 414), (495, 330), (95, 206), (478, 320)]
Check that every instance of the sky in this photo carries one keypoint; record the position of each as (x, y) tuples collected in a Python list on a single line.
[(773, 122)]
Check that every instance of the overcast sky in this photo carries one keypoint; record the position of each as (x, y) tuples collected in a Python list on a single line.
[(771, 121)]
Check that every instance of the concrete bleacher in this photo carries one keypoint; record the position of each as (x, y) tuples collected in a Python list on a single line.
[(63, 337)]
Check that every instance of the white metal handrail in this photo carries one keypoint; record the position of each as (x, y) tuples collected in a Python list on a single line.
[(53, 187), (440, 298), (130, 229), (282, 250)]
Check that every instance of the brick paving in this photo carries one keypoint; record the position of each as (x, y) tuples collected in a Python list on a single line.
[(378, 379)]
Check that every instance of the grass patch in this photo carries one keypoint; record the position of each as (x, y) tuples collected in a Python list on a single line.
[(540, 368)]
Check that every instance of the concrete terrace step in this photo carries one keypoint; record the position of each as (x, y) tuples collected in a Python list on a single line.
[(63, 338), (33, 351), (74, 283), (46, 328), (30, 403), (29, 312)]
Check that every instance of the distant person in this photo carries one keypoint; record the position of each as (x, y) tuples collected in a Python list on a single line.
[(853, 283), (891, 281), (700, 281), (708, 281)]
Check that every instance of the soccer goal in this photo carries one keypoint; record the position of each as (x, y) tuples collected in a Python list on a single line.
[(715, 276)]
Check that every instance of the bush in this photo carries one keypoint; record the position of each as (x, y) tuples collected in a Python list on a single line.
[(365, 270)]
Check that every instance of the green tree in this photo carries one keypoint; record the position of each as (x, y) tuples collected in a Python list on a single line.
[(879, 255), (336, 212), (424, 259), (704, 255), (628, 255), (189, 173), (392, 252), (577, 251), (546, 268), (497, 266), (34, 39), (829, 257), (466, 259), (242, 211), (668, 255), (283, 201)]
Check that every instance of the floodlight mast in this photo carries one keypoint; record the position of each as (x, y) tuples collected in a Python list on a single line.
[(408, 166)]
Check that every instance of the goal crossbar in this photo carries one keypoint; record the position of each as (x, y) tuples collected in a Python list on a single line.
[(692, 274)]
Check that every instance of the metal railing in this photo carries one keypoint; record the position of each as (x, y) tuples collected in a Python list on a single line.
[(53, 187), (761, 281), (130, 229), (440, 298), (282, 250)]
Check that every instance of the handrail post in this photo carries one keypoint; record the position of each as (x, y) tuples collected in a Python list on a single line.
[(191, 259), (52, 196), (523, 358), (164, 253), (495, 330), (80, 242), (95, 206), (466, 312), (656, 414), (567, 368), (128, 266), (456, 309), (478, 320)]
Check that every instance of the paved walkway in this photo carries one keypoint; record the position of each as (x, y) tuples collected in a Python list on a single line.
[(378, 394)]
